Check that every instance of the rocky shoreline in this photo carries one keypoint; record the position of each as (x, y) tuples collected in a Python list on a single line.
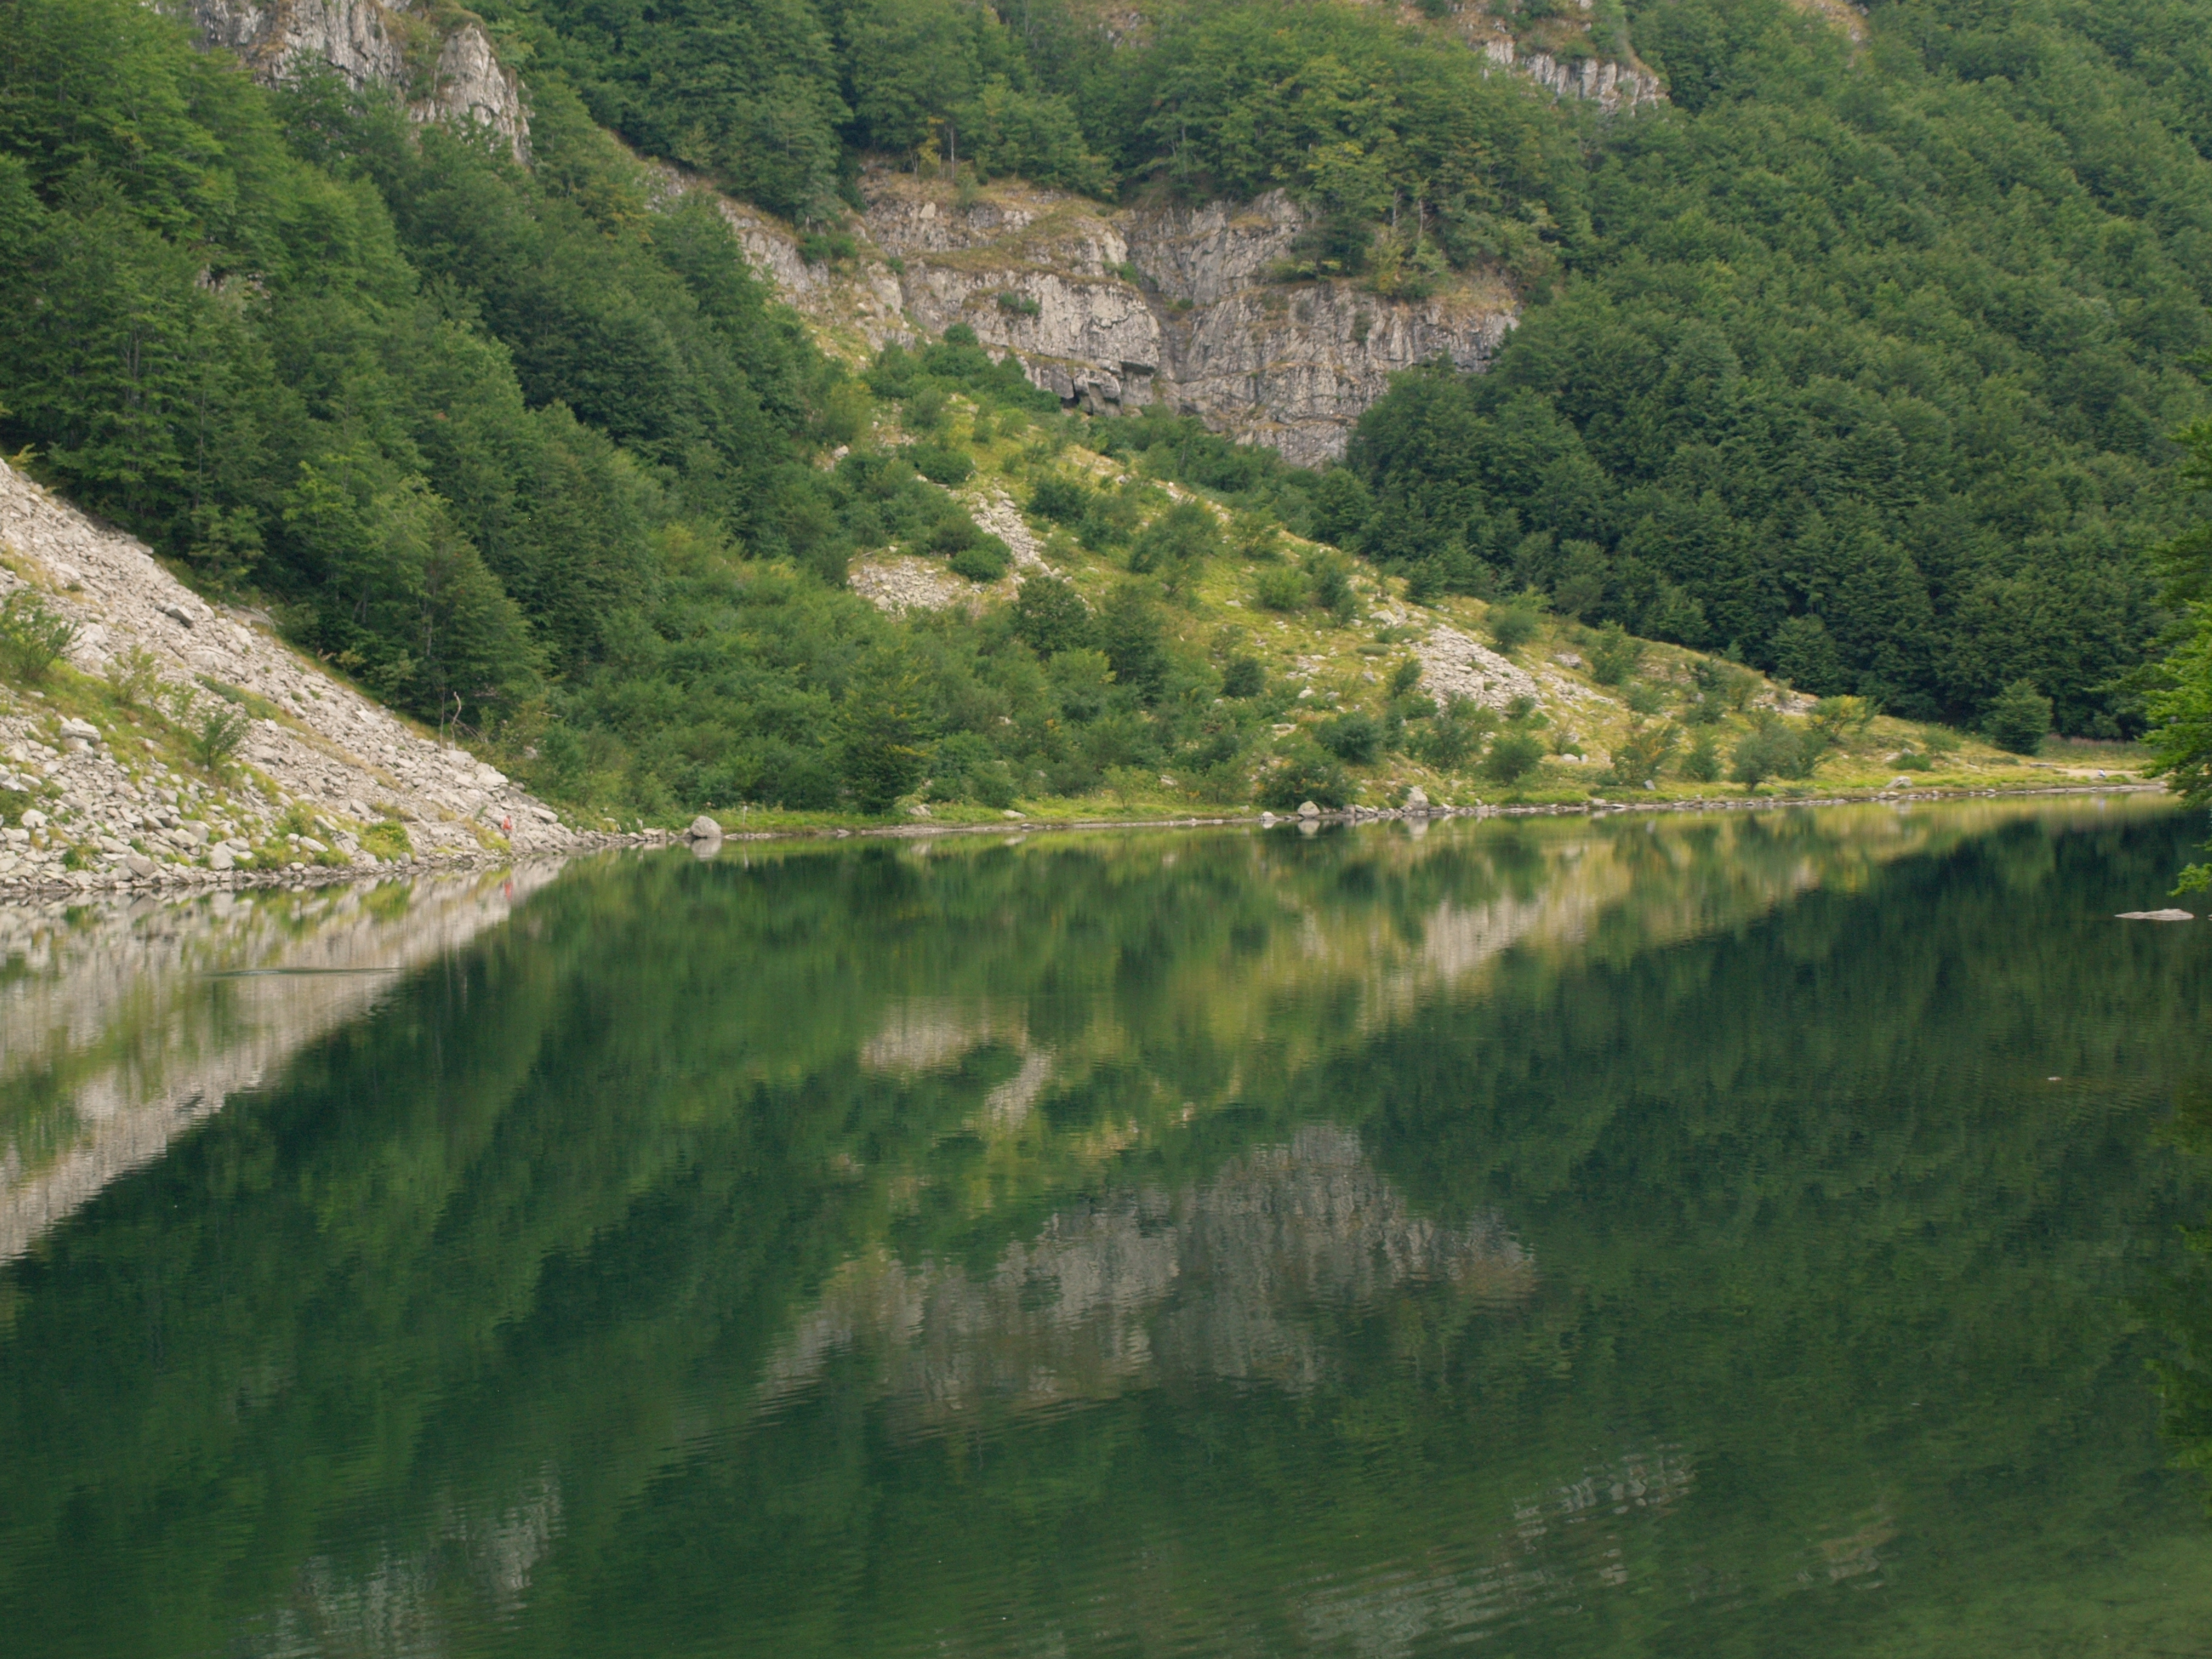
[(704, 836)]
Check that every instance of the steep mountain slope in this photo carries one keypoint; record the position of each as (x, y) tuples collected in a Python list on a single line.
[(530, 449), (190, 742)]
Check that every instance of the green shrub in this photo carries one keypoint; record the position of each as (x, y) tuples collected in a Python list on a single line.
[(32, 637), (828, 246), (1643, 698), (2018, 718), (1050, 616), (1615, 655), (1908, 761), (1838, 719), (1776, 749), (1082, 680), (1018, 305), (1456, 733), (941, 464), (1331, 576), (387, 838), (1304, 774), (217, 736), (1642, 751), (1060, 499), (1512, 756), (985, 560), (134, 676), (1405, 677), (882, 752), (1242, 677), (1702, 764), (1279, 587), (925, 406), (1512, 626), (1180, 537), (1355, 737)]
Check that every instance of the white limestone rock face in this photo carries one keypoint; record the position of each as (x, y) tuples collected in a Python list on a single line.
[(1113, 310), (1611, 86), (454, 77)]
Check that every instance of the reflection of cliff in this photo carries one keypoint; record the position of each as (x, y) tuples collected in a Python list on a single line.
[(120, 1028), (1565, 1544), (1216, 1281), (394, 1605), (1462, 899)]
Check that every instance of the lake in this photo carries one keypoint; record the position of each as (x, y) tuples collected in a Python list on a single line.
[(1760, 1233)]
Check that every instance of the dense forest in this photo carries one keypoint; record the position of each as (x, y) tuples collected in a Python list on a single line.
[(1862, 364)]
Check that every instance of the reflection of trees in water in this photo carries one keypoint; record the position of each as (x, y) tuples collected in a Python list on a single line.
[(2181, 1307), (124, 1023), (564, 1211), (1221, 1281)]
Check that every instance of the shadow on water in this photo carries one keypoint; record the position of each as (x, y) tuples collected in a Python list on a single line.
[(1749, 1235)]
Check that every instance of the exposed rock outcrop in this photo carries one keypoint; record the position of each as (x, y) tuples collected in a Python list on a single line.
[(313, 741), (446, 71), (1606, 82), (1117, 309)]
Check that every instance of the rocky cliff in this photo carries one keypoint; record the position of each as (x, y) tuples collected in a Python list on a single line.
[(1115, 309), (442, 62)]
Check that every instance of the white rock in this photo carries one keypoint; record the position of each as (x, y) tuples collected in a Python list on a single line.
[(703, 828), (33, 819), (77, 728), (2156, 915), (1307, 810), (219, 858)]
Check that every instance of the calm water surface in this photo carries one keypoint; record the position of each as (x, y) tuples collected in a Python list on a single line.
[(1760, 1235)]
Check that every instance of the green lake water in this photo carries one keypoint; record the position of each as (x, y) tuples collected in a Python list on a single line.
[(1759, 1234)]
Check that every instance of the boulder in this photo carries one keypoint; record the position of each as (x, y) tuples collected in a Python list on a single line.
[(139, 865), (703, 828), (1901, 781), (77, 728), (1307, 810), (33, 819), (1417, 799), (220, 859)]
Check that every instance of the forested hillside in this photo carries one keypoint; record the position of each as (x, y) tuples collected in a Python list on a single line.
[(1860, 362)]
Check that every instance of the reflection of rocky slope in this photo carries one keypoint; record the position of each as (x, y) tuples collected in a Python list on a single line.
[(120, 1029), (1565, 1544), (444, 64), (1215, 1281)]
